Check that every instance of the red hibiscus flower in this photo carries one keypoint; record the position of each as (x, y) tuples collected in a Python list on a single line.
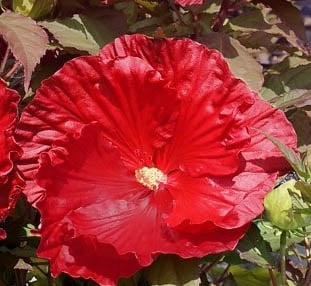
[(189, 2), (10, 182), (180, 2), (151, 147)]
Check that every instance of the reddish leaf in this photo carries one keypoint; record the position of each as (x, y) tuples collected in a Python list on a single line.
[(27, 41)]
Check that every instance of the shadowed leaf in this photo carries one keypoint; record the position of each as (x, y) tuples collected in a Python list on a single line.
[(290, 16), (290, 156), (253, 248), (301, 120), (290, 78), (262, 19), (172, 270), (242, 64)]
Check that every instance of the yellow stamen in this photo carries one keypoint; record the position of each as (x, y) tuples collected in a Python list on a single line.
[(150, 177)]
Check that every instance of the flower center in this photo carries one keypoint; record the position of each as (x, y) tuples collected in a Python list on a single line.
[(150, 177)]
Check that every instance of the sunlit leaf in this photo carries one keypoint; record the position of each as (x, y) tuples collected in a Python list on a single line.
[(149, 5), (262, 19), (287, 78), (85, 33), (242, 64), (33, 8), (26, 39), (22, 265), (247, 277), (172, 270), (297, 98)]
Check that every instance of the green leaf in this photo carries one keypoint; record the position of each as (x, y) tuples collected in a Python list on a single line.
[(22, 265), (272, 234), (281, 206), (301, 120), (290, 156), (146, 24), (250, 277), (290, 77), (253, 248), (297, 98), (305, 189), (85, 33), (173, 270), (27, 41), (261, 19), (307, 161), (26, 251), (290, 16), (130, 9), (258, 40), (242, 64), (33, 8), (250, 20)]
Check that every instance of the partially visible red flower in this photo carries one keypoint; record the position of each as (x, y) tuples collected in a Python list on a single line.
[(189, 2), (180, 2), (151, 147), (10, 182)]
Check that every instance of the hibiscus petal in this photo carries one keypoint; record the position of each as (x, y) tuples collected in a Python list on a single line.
[(9, 194), (227, 202), (137, 111), (85, 257), (91, 194), (197, 200), (115, 226), (94, 192), (10, 182), (245, 192), (8, 117), (189, 2), (206, 139), (93, 171), (261, 117)]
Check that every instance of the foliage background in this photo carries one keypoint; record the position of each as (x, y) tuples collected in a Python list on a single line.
[(267, 44)]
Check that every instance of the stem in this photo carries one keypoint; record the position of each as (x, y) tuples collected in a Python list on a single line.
[(207, 267), (196, 26), (308, 252), (11, 71), (5, 59), (307, 280), (221, 16), (272, 277), (223, 275), (177, 12), (283, 257)]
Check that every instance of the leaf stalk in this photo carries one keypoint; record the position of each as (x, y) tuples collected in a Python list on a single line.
[(283, 242)]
